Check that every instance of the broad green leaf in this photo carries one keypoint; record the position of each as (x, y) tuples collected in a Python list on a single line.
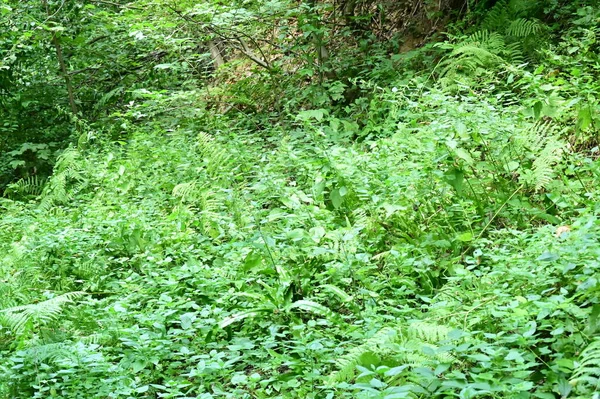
[(465, 237), (317, 233), (341, 294), (252, 261), (464, 155), (187, 319), (455, 177), (594, 321), (537, 109), (312, 307), (241, 316), (584, 118), (296, 234), (316, 114), (336, 198), (512, 166)]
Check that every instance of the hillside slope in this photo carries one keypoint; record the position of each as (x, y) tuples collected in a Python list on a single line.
[(436, 238)]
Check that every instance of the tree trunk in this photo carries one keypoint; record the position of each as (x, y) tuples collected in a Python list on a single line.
[(320, 48), (65, 73), (61, 63), (215, 54), (348, 11)]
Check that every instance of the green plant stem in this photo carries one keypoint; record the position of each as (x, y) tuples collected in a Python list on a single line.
[(498, 211)]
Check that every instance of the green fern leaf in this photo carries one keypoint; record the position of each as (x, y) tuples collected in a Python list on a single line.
[(28, 186), (215, 157), (522, 27), (586, 375), (545, 148), (68, 169), (404, 344), (19, 317), (497, 16)]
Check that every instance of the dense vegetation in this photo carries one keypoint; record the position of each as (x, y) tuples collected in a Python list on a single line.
[(300, 199)]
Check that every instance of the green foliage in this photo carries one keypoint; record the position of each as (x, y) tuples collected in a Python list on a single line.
[(31, 186), (586, 374), (317, 217), (57, 191), (22, 319), (521, 27), (400, 345), (481, 53)]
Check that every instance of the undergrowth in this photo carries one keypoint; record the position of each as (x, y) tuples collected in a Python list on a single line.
[(437, 237)]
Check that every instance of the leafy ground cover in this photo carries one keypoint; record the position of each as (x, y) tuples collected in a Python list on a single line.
[(436, 238)]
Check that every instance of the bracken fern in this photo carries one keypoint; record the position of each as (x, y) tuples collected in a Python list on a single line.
[(586, 375), (19, 317), (68, 169), (401, 343), (546, 149)]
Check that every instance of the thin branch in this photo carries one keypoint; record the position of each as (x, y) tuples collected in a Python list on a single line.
[(110, 3), (61, 61), (237, 37), (97, 39), (78, 71)]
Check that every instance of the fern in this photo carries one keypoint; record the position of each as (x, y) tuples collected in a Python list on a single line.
[(347, 363), (545, 148), (504, 13), (203, 200), (515, 22), (185, 190), (49, 352), (522, 27), (68, 169), (586, 375), (8, 295), (18, 318), (487, 39), (215, 157), (481, 51), (428, 332), (402, 344), (25, 187), (218, 167), (513, 53), (543, 167), (497, 16)]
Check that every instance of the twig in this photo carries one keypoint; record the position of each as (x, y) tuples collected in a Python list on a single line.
[(498, 211)]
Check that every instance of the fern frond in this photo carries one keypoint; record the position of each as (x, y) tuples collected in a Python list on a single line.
[(428, 332), (209, 209), (8, 295), (586, 375), (48, 352), (541, 144), (497, 15), (403, 344), (482, 49), (513, 53), (100, 338), (19, 317), (347, 363), (215, 157), (27, 186), (522, 27), (67, 170), (486, 39), (360, 218), (543, 166), (184, 190)]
